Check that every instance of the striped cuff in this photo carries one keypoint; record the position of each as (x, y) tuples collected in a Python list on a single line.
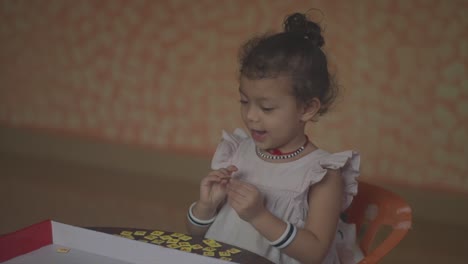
[(198, 222), (286, 238)]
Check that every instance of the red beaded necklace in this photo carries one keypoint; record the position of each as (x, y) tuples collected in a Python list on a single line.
[(275, 154)]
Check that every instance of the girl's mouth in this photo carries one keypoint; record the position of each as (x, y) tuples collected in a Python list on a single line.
[(258, 135)]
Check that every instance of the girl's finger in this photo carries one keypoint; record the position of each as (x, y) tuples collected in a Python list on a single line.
[(237, 192), (232, 168), (225, 171), (242, 184), (219, 174), (224, 182), (212, 178), (238, 185)]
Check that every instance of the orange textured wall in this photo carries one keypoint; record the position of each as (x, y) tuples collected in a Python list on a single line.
[(162, 74)]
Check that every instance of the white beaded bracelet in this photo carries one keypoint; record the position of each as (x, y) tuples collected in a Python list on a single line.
[(286, 238), (198, 222)]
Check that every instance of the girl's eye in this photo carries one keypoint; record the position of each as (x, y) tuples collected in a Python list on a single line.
[(267, 109), (243, 101)]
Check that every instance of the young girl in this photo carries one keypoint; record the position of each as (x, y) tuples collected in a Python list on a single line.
[(274, 192)]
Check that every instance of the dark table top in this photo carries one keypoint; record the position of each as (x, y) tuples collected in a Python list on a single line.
[(193, 244)]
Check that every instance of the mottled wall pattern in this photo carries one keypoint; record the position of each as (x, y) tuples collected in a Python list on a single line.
[(163, 74)]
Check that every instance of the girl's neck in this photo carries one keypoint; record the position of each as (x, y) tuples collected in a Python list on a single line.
[(298, 141)]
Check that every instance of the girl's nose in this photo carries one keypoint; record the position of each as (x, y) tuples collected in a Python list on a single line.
[(252, 114)]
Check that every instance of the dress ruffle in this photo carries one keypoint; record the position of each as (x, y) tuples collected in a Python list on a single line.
[(226, 149), (348, 162)]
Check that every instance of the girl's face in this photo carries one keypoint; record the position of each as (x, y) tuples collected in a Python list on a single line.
[(271, 113)]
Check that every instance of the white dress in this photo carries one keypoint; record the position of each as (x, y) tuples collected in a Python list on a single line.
[(284, 186)]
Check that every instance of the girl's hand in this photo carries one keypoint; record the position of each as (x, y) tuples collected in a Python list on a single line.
[(245, 199), (213, 188)]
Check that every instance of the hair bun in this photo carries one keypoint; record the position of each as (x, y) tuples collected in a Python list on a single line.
[(298, 23)]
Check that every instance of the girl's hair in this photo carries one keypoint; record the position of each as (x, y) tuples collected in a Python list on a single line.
[(297, 53)]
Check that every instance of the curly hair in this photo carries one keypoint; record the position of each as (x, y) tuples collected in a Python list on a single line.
[(296, 52)]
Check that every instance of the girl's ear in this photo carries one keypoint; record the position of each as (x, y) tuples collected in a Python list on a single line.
[(310, 110)]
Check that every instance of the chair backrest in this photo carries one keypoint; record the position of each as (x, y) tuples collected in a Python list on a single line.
[(373, 208)]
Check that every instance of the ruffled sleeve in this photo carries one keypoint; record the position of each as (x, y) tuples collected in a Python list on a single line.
[(348, 162), (227, 148)]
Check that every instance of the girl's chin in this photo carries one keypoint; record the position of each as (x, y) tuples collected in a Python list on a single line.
[(262, 145)]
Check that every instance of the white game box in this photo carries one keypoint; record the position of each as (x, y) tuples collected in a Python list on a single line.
[(52, 242)]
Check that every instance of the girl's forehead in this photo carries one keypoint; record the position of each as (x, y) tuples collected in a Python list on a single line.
[(266, 86)]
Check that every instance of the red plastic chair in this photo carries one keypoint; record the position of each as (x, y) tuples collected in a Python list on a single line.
[(373, 208)]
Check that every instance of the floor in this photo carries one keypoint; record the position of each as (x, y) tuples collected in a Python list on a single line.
[(34, 188)]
